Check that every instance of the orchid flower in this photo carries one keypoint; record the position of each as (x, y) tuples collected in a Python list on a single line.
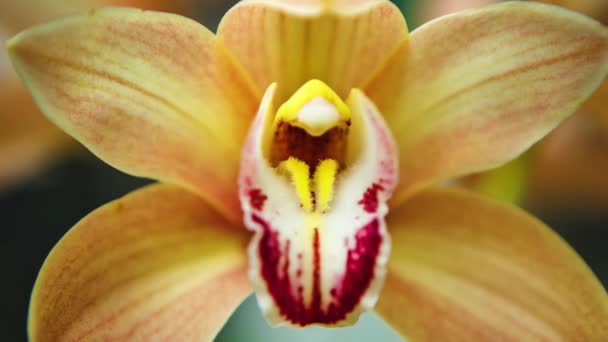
[(28, 141), (307, 121)]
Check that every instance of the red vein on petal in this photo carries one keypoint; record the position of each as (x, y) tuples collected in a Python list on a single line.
[(509, 73), (144, 298)]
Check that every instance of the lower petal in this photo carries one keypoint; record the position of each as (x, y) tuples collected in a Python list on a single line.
[(467, 268), (158, 264)]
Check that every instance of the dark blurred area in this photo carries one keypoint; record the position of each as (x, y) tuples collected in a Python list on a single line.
[(38, 212)]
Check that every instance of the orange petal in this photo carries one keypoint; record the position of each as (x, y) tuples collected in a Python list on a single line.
[(291, 42), (158, 264), (152, 94), (466, 268), (472, 90)]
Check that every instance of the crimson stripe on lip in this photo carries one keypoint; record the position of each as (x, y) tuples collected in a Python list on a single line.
[(287, 292)]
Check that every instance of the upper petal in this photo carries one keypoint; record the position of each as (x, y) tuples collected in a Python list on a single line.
[(468, 268), (158, 264), (291, 42), (472, 90), (152, 94), (28, 141)]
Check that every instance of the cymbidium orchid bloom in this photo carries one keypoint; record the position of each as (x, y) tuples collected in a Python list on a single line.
[(357, 116), (28, 141)]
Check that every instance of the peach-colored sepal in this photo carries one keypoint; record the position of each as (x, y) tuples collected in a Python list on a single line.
[(158, 264), (472, 90), (153, 94), (292, 42), (466, 268)]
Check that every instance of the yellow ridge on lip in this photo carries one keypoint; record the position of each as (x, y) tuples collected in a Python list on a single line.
[(324, 180), (300, 178)]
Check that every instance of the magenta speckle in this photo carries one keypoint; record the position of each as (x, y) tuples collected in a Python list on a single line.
[(257, 199), (370, 198)]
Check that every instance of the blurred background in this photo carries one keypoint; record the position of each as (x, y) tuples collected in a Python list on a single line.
[(48, 182)]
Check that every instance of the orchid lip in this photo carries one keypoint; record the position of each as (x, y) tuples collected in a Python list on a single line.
[(320, 247)]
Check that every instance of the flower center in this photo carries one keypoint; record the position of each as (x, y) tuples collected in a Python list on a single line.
[(311, 126), (309, 142), (314, 181)]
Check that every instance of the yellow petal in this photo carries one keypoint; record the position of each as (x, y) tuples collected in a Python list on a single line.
[(158, 264), (472, 90), (291, 42), (465, 268), (152, 94)]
